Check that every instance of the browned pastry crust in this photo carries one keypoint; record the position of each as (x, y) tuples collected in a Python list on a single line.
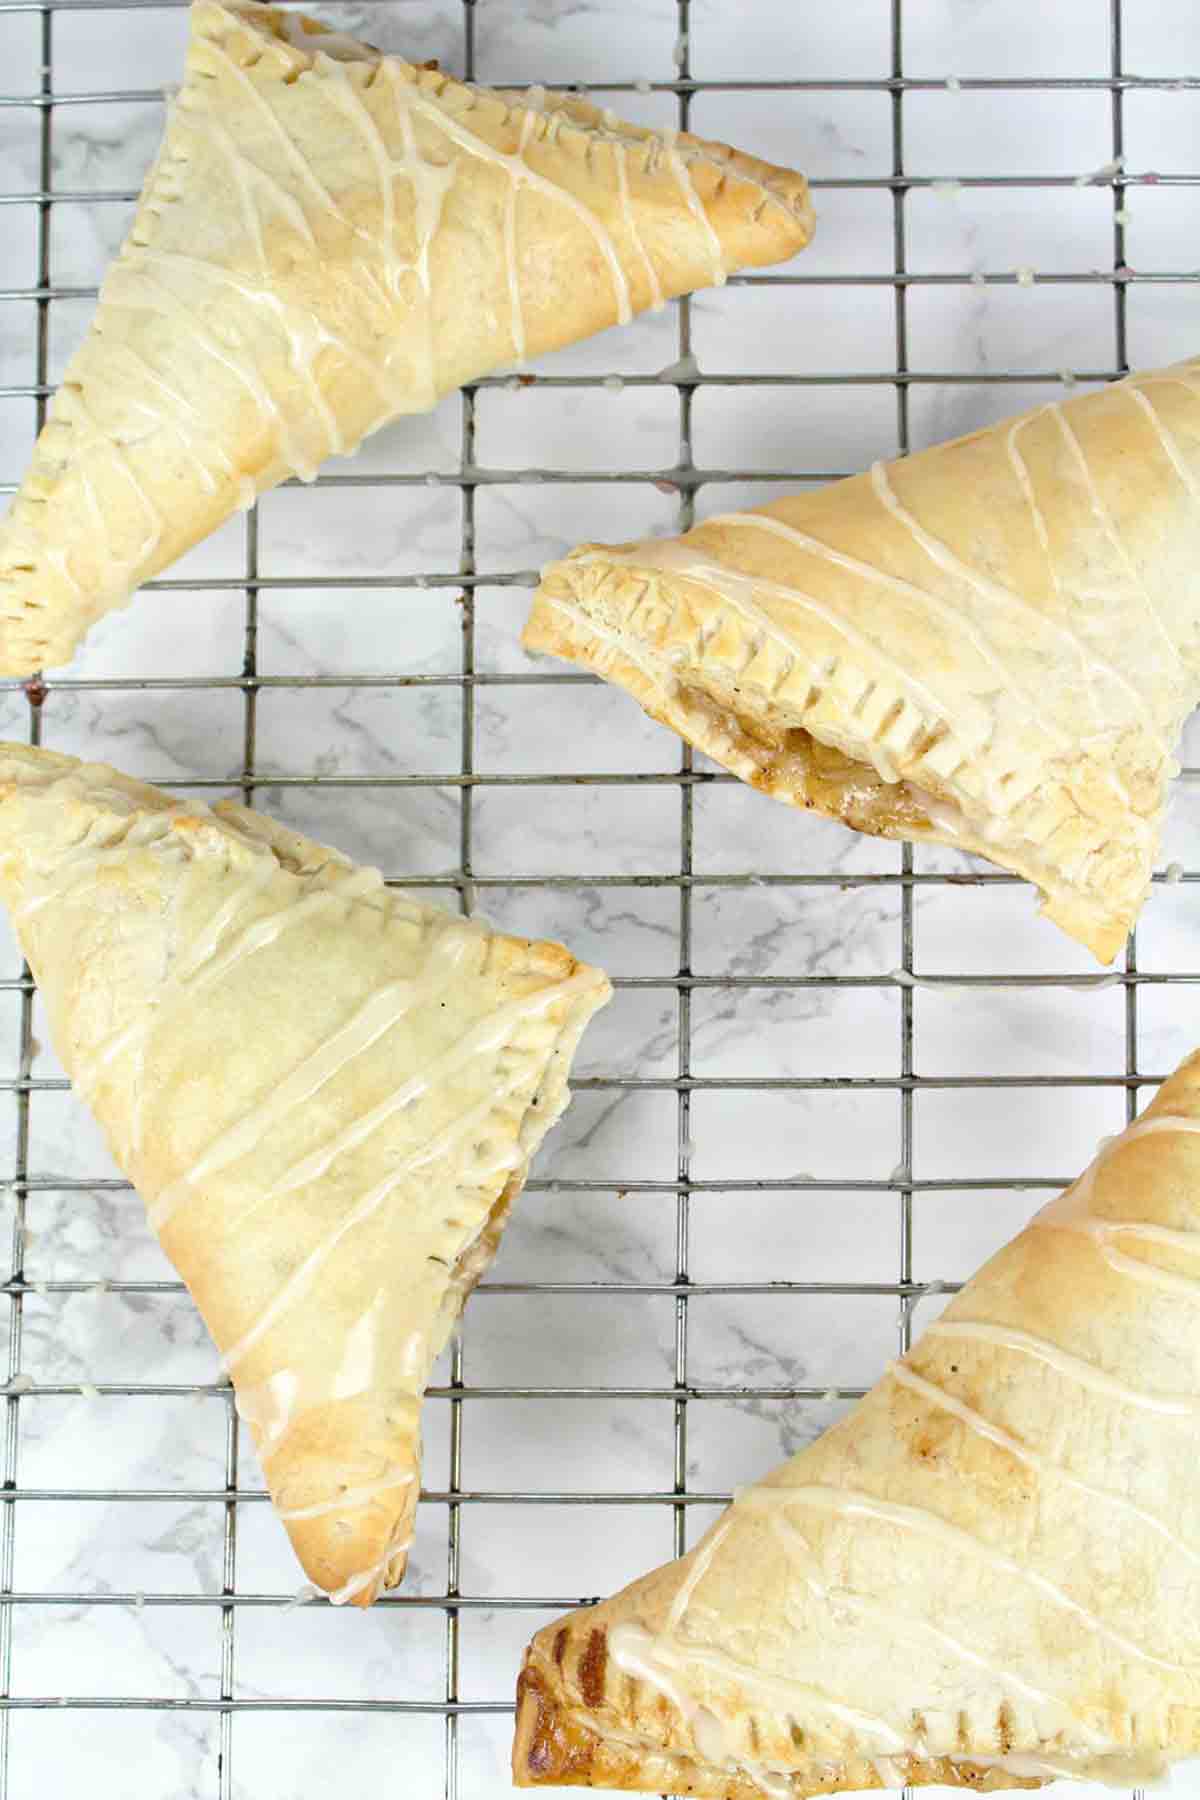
[(552, 1748), (992, 644), (986, 1575), (326, 1092), (330, 239)]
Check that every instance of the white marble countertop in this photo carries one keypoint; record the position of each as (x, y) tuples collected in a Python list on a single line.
[(603, 1207)]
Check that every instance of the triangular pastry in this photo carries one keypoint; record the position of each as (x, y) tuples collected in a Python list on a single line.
[(328, 239), (992, 644), (327, 1094), (987, 1575)]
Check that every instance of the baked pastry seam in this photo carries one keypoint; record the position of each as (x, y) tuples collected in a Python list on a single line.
[(326, 1092)]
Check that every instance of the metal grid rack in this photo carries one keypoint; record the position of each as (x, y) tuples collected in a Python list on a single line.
[(683, 1392)]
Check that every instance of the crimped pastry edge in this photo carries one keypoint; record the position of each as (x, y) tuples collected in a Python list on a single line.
[(232, 831), (44, 614), (562, 622), (553, 1746)]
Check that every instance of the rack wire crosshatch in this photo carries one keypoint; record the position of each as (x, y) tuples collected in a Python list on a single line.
[(467, 1387)]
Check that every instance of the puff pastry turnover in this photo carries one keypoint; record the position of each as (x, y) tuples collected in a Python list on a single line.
[(326, 1093), (987, 1575), (331, 238), (991, 644)]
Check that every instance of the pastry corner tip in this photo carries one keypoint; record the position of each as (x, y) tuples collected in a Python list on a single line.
[(539, 635), (540, 1740), (558, 1737), (1103, 934), (590, 985), (345, 1586), (216, 20), (806, 214), (562, 586), (795, 196), (351, 1567), (390, 1578)]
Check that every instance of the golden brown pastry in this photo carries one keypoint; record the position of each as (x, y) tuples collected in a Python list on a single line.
[(992, 644), (331, 238), (327, 1094), (987, 1575)]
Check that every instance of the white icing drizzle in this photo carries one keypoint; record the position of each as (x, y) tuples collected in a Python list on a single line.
[(429, 183), (488, 1035), (638, 1652), (620, 158), (239, 898), (156, 296), (1111, 776), (940, 553), (737, 590), (240, 168), (616, 645), (521, 174), (953, 616), (890, 1774), (371, 1021), (1106, 522), (694, 204), (302, 1277), (297, 196), (271, 1407), (356, 1368), (774, 1783), (59, 558), (268, 1408), (663, 1660), (1075, 1368), (1112, 1768), (250, 175), (349, 1500), (200, 966), (302, 333), (1134, 388), (1036, 1459), (907, 1626), (154, 519), (279, 132), (322, 41), (510, 246), (1101, 1231), (171, 419), (98, 531), (654, 1661), (658, 1660), (850, 1503), (1071, 1211), (713, 734), (705, 1555), (368, 1576)]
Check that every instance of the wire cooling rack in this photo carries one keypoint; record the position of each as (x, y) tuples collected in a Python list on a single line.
[(221, 1767)]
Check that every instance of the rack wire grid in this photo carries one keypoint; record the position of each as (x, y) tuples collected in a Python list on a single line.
[(677, 1304)]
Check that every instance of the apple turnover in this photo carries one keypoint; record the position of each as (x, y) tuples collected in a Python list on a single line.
[(992, 644), (986, 1575), (331, 238), (326, 1093)]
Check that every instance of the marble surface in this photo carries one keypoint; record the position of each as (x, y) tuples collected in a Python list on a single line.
[(123, 1540)]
